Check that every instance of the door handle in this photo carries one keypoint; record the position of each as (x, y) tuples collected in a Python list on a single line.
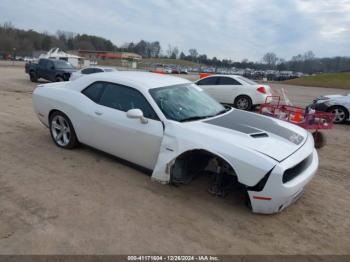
[(98, 113)]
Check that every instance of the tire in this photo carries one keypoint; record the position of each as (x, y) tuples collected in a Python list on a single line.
[(62, 131), (33, 77), (243, 103), (320, 139), (247, 202), (59, 79), (341, 114)]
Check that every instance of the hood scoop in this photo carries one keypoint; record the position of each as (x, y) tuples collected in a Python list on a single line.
[(259, 135), (256, 126)]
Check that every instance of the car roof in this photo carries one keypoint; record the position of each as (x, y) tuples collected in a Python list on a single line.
[(220, 75), (140, 80), (217, 75)]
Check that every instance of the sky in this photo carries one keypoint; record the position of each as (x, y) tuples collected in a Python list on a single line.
[(233, 29)]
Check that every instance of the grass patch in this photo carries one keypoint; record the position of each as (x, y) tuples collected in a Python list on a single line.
[(334, 80)]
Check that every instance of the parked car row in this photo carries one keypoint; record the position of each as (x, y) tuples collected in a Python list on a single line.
[(176, 71), (270, 75)]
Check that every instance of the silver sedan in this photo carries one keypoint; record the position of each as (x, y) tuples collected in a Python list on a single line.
[(337, 104)]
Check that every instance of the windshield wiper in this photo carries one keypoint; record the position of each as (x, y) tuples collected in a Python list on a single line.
[(228, 108), (193, 118), (223, 111)]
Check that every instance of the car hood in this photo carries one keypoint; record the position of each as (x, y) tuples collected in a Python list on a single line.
[(272, 137), (332, 96)]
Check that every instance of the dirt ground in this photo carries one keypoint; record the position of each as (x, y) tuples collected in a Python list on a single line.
[(54, 201)]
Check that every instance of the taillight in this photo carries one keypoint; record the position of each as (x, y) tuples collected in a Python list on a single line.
[(261, 89)]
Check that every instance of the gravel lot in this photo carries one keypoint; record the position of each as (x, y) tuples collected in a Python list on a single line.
[(54, 201)]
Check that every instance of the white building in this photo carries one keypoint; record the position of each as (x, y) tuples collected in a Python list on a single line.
[(56, 53)]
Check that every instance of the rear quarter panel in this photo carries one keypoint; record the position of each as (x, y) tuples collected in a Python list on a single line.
[(250, 91), (57, 97)]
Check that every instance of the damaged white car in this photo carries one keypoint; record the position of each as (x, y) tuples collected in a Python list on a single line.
[(169, 125)]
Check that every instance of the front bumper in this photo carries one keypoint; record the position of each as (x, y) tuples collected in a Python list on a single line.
[(276, 195)]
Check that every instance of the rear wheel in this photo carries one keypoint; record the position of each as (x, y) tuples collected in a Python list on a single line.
[(243, 103), (62, 131), (341, 114), (59, 79), (33, 77)]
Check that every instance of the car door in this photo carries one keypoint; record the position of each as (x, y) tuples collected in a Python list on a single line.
[(228, 89), (42, 72), (208, 84), (113, 132), (49, 72)]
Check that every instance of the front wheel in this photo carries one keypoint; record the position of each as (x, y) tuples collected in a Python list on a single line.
[(59, 79), (340, 114), (243, 103), (62, 131), (33, 77)]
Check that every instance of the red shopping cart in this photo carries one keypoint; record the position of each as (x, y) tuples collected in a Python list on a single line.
[(307, 118)]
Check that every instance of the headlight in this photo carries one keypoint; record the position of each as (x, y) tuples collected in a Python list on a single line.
[(327, 103)]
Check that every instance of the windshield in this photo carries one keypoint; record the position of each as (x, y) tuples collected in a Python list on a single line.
[(186, 102), (248, 81), (61, 64)]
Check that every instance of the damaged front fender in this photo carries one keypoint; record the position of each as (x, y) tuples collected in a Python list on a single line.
[(176, 141)]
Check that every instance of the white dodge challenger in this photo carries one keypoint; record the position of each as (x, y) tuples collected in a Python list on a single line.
[(170, 126)]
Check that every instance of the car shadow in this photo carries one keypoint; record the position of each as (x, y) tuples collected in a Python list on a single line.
[(197, 188), (143, 170)]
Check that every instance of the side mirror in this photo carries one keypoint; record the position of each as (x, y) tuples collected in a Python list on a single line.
[(136, 113), (52, 67)]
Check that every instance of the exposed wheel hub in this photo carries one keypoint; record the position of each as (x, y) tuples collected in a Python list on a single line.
[(339, 114)]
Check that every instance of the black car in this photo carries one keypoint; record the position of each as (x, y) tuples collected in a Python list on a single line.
[(50, 69)]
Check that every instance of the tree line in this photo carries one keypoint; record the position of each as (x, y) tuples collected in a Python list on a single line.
[(24, 42), (307, 63)]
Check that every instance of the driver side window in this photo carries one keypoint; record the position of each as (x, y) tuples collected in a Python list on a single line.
[(119, 97), (97, 70), (87, 71), (208, 81), (228, 81), (49, 65)]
